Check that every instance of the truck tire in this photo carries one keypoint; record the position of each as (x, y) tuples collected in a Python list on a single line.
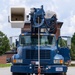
[(19, 73), (52, 74), (14, 73), (62, 74)]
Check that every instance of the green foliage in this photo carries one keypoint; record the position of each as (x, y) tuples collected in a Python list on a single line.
[(73, 38), (5, 65), (73, 47), (4, 43), (13, 46), (62, 43)]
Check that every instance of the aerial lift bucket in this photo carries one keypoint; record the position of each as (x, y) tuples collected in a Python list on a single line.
[(17, 17)]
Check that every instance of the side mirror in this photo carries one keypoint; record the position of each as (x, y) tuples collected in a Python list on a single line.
[(12, 44), (10, 41), (64, 41), (69, 42), (17, 43)]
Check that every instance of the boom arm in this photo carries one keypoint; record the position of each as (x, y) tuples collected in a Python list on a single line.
[(48, 23), (38, 19)]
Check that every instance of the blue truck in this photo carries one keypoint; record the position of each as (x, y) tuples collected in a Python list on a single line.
[(38, 50)]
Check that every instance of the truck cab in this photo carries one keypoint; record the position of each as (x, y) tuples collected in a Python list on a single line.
[(26, 59)]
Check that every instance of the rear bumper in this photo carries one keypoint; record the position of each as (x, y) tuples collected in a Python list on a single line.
[(49, 69)]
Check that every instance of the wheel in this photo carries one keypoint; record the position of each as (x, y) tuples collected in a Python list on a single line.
[(51, 74), (62, 74), (55, 74), (20, 74), (14, 73)]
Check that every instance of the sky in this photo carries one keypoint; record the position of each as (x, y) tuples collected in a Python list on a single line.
[(65, 10)]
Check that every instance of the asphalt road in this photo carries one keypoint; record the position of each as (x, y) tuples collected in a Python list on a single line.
[(6, 71)]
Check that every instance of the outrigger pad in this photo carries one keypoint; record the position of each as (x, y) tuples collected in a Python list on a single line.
[(17, 17)]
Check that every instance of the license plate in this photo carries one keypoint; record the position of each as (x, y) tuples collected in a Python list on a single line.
[(59, 69)]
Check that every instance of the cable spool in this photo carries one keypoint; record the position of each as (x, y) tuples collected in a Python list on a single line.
[(50, 21), (46, 21), (35, 14)]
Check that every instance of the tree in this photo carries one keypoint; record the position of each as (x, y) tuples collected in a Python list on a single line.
[(13, 46), (73, 47), (62, 42), (73, 38), (73, 51), (4, 43)]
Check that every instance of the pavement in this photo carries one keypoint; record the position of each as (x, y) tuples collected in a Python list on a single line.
[(72, 62), (71, 71), (6, 71)]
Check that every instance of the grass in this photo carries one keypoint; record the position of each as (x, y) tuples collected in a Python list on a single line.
[(5, 65)]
